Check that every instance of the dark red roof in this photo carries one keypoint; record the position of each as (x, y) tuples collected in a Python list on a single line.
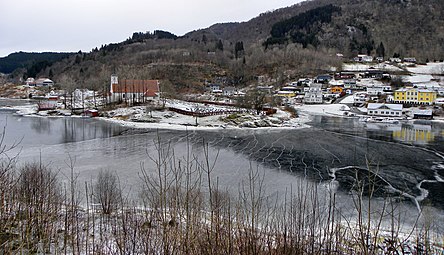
[(148, 87)]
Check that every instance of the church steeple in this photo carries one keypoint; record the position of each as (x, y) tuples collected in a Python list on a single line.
[(114, 80)]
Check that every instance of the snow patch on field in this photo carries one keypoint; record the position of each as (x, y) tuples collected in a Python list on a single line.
[(348, 100), (421, 78), (22, 109), (358, 67), (324, 109), (430, 68)]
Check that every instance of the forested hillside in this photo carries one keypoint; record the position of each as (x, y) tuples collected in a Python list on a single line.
[(406, 27), (32, 62), (284, 44)]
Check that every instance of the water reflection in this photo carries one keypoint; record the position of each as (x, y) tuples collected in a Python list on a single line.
[(416, 134), (422, 133), (54, 130), (41, 125)]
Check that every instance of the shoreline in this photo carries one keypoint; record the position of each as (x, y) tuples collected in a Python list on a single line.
[(169, 120), (180, 122)]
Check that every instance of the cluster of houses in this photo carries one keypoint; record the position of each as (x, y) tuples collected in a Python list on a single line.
[(40, 82), (326, 88), (369, 89), (129, 91), (366, 87), (227, 91), (361, 58)]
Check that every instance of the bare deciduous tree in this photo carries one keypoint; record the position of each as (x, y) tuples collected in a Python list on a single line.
[(107, 191)]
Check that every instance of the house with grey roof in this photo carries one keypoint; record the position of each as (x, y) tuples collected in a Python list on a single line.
[(314, 94), (384, 110)]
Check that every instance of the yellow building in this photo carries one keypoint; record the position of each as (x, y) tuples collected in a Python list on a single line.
[(336, 90), (284, 93), (415, 96)]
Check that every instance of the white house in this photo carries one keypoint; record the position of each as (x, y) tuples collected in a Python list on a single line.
[(385, 110), (213, 87), (229, 91), (396, 60), (363, 58), (350, 84), (266, 89), (410, 60), (314, 94), (30, 81), (41, 82), (360, 98), (376, 90), (81, 94)]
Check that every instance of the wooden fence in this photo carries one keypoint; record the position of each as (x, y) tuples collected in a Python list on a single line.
[(206, 113)]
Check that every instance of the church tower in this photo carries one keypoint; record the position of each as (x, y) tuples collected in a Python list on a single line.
[(114, 80)]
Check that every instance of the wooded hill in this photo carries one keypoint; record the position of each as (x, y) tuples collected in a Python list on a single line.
[(284, 44), (407, 27), (32, 62)]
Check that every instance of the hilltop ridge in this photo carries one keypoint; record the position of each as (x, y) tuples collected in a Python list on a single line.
[(287, 43)]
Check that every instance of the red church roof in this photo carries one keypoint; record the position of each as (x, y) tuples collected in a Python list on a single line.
[(148, 87)]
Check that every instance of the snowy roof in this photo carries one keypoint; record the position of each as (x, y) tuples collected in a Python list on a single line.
[(425, 90), (41, 80), (289, 88), (422, 112), (375, 106), (285, 92)]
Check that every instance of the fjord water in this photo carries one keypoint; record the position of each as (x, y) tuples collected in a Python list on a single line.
[(408, 158)]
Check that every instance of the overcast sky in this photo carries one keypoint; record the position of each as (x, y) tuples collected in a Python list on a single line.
[(73, 25)]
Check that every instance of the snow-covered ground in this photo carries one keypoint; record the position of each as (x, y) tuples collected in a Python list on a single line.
[(142, 117), (197, 107), (358, 67), (430, 68), (370, 82), (418, 78), (348, 100), (22, 109), (323, 109), (136, 117)]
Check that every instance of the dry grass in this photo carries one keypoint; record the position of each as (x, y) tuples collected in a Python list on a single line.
[(183, 211)]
